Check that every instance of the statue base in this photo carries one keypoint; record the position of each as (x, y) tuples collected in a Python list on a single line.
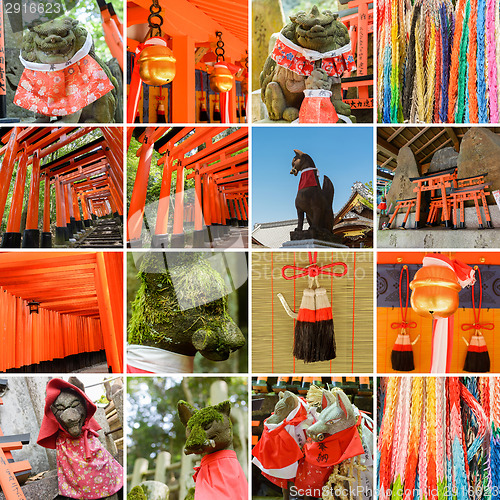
[(312, 243)]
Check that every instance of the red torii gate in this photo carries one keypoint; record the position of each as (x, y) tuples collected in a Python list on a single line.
[(220, 172), (79, 308), (97, 163)]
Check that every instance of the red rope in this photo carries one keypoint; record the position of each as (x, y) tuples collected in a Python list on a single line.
[(476, 325), (294, 284), (331, 302), (353, 310), (272, 314), (404, 311), (313, 269)]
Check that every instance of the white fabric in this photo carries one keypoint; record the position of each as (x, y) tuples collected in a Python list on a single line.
[(440, 346), (317, 93), (153, 359), (59, 66), (314, 55), (308, 169)]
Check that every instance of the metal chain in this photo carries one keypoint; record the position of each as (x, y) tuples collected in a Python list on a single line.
[(155, 10), (219, 51)]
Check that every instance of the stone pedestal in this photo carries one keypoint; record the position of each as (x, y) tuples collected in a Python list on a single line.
[(311, 243)]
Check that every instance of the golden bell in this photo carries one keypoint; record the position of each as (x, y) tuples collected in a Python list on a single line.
[(435, 292), (156, 65), (221, 79)]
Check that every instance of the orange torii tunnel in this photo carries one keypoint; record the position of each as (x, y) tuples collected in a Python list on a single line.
[(215, 161), (203, 74), (61, 311), (87, 181)]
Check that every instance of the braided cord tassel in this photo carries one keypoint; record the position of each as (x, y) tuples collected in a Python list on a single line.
[(455, 62), (395, 61), (431, 74), (401, 438), (439, 75), (440, 437), (481, 59), (387, 436), (459, 471), (462, 69), (420, 77), (471, 60), (492, 64), (445, 62), (417, 405), (495, 435)]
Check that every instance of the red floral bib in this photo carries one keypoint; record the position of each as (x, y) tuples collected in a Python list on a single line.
[(62, 89), (301, 61)]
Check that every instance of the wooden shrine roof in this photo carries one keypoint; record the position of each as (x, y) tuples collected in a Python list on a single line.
[(199, 20), (61, 281), (423, 141)]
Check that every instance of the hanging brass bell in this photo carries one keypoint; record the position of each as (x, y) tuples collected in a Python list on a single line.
[(435, 292), (221, 79), (156, 65)]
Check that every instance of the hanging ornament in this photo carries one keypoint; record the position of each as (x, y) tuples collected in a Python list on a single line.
[(314, 338), (221, 79), (402, 353), (203, 108), (435, 294), (477, 359), (160, 109), (216, 110), (154, 61)]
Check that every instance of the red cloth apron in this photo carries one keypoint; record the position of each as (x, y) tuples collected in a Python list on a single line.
[(220, 477), (276, 448), (308, 179), (321, 457)]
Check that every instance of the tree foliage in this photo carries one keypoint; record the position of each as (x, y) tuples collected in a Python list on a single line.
[(153, 424)]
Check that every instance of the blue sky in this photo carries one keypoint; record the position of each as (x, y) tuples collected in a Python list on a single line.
[(344, 154)]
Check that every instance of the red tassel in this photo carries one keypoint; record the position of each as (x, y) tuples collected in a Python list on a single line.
[(314, 333), (402, 354), (477, 359), (305, 327)]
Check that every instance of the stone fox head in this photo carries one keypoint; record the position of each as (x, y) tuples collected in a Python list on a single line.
[(207, 430), (337, 415), (53, 42), (300, 162), (70, 411)]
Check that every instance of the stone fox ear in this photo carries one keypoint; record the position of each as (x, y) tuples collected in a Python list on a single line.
[(224, 407), (344, 402), (186, 411), (327, 399)]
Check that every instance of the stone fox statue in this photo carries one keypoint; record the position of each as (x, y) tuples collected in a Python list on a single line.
[(312, 51), (63, 76), (209, 433), (312, 201)]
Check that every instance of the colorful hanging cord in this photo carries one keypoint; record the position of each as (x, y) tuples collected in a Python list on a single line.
[(438, 61)]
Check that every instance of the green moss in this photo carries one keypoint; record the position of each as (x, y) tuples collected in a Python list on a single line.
[(201, 419), (190, 494), (162, 312), (136, 493)]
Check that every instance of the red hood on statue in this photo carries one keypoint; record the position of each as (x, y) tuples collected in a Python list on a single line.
[(50, 426)]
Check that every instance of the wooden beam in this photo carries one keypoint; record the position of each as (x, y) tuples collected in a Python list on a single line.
[(397, 132), (454, 138), (390, 149)]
